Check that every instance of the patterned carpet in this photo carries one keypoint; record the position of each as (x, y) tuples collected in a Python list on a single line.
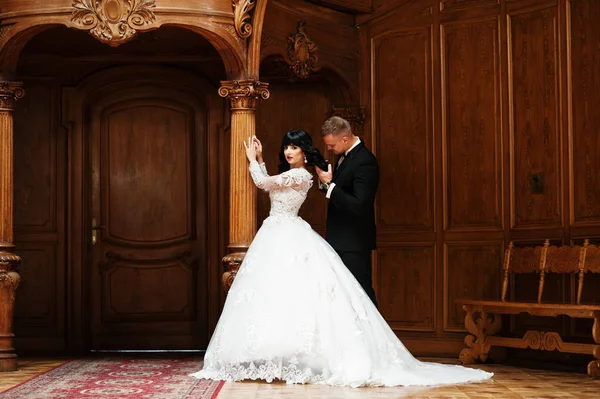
[(117, 378)]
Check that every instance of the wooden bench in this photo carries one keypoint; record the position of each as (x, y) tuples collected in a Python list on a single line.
[(483, 318)]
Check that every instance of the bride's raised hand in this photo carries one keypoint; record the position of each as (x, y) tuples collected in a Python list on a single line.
[(259, 149), (250, 147)]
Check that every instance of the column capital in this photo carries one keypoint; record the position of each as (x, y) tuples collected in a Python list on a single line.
[(244, 94), (9, 92)]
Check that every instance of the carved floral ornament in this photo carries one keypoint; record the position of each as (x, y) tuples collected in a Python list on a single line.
[(244, 94), (113, 21), (302, 52), (242, 17)]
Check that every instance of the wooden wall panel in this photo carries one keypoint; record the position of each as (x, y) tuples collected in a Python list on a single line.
[(412, 267), (353, 6), (35, 160), (402, 113), (40, 154), (451, 5), (38, 298), (508, 148), (584, 64), (471, 270), (471, 125), (534, 79)]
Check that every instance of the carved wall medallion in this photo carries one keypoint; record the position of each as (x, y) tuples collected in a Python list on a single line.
[(242, 17), (302, 52), (113, 21)]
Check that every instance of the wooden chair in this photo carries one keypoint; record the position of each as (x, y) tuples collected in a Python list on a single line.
[(483, 318)]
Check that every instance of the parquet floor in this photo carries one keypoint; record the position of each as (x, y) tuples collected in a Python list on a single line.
[(509, 382)]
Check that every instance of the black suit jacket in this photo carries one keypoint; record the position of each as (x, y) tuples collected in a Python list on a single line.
[(351, 214)]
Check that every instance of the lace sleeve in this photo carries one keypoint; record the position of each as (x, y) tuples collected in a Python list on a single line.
[(294, 178), (258, 173), (263, 168)]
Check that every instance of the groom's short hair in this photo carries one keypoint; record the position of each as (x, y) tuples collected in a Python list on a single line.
[(336, 126)]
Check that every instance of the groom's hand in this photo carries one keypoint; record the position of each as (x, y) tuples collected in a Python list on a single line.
[(324, 176)]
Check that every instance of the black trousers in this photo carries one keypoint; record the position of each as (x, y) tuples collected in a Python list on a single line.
[(359, 264)]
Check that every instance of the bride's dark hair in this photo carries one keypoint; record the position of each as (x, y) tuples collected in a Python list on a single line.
[(301, 139)]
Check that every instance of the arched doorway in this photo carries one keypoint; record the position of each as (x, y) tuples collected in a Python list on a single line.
[(118, 193)]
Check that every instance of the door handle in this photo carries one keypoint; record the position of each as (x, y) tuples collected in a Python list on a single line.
[(95, 228)]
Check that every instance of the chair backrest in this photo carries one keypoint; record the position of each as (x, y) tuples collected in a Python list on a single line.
[(518, 260), (566, 259), (544, 259), (590, 258)]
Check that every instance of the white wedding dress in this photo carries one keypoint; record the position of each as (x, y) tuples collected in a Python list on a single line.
[(295, 312)]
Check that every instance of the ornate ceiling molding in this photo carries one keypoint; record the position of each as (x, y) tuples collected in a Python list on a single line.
[(113, 21), (302, 52), (242, 18)]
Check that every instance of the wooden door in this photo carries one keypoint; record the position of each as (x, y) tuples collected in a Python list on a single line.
[(148, 219)]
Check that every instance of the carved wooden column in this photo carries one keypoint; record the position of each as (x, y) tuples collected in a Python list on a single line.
[(243, 96), (9, 278)]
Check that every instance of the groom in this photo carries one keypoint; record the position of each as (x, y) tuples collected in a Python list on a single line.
[(351, 190)]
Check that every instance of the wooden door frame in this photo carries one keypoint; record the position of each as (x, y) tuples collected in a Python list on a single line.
[(78, 212)]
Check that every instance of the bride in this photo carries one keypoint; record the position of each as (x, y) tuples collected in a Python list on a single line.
[(295, 313)]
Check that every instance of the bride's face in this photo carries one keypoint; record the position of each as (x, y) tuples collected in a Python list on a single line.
[(294, 155)]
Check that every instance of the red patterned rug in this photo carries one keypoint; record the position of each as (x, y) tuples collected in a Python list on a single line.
[(118, 378)]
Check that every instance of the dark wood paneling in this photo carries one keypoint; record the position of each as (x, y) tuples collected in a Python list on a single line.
[(471, 270), (450, 5), (406, 289), (471, 95), (402, 118), (516, 86), (534, 110), (352, 6), (585, 104), (38, 302), (36, 185), (40, 171)]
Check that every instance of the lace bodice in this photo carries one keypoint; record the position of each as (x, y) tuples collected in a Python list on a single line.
[(287, 190)]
